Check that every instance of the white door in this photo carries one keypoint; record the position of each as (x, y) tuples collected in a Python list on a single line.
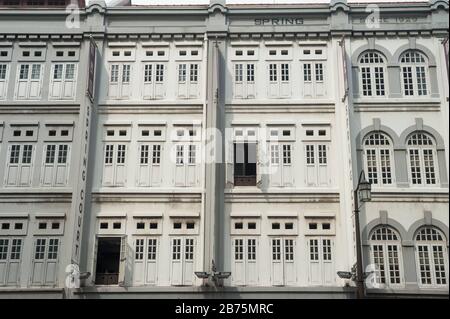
[(45, 261), (283, 261), (186, 164), (145, 261), (245, 262), (321, 261), (10, 260), (182, 263)]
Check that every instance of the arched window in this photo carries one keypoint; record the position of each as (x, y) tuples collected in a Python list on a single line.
[(372, 67), (378, 158), (386, 255), (421, 155), (431, 257), (414, 66)]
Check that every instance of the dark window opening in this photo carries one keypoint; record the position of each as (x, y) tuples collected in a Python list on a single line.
[(157, 133), (103, 225), (245, 164), (18, 226), (288, 226), (145, 133), (153, 225), (117, 225), (190, 225), (55, 225), (64, 133), (275, 225), (140, 225), (176, 225), (59, 53), (238, 225), (108, 261), (326, 226), (5, 226), (312, 226), (52, 133), (42, 226), (251, 225), (29, 133), (17, 133)]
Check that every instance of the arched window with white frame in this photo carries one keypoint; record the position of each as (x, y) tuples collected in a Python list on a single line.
[(378, 155), (414, 70), (431, 257), (385, 247), (372, 66), (421, 159)]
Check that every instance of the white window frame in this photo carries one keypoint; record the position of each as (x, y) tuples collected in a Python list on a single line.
[(4, 79), (153, 80), (414, 66), (57, 163), (114, 162), (63, 80), (318, 161), (431, 245), (244, 75), (371, 65), (11, 260), (122, 80), (420, 151), (316, 254), (20, 164), (387, 246), (29, 80), (377, 149)]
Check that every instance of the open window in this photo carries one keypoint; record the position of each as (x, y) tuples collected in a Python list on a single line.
[(245, 160), (110, 266)]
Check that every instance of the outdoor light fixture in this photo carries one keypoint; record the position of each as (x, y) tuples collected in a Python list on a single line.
[(215, 276), (345, 274), (362, 192), (202, 274)]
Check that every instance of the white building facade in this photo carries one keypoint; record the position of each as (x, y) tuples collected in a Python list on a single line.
[(226, 137)]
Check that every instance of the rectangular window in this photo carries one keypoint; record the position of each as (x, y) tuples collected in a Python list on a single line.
[(3, 71), (286, 154), (148, 73), (156, 156), (238, 249), (238, 72), (429, 172), (421, 80), (414, 160), (126, 73), (307, 77), (366, 81), (284, 72), (50, 154), (192, 154), (159, 73), (245, 164), (385, 162), (379, 81), (250, 73), (121, 153), (151, 249), (180, 154), (319, 72), (182, 73), (408, 81), (109, 154), (139, 249), (144, 154), (114, 73), (273, 73), (194, 73)]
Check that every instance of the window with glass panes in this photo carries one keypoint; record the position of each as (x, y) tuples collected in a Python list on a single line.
[(421, 158), (372, 69), (385, 245), (378, 161), (414, 68), (431, 257)]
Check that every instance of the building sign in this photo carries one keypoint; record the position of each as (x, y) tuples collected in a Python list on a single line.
[(279, 21), (79, 199), (91, 71)]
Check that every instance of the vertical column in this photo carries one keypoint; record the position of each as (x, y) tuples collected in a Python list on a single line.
[(213, 200)]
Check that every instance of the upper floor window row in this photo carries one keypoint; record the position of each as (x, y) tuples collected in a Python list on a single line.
[(414, 76), (29, 81), (421, 159)]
